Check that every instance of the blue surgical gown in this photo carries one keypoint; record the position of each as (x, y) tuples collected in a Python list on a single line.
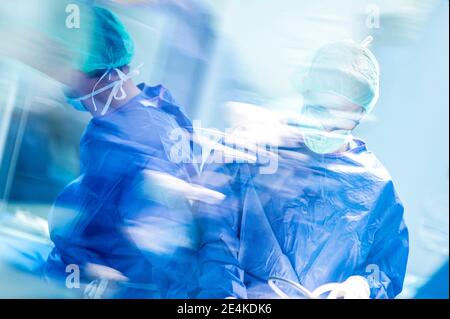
[(116, 215), (318, 219)]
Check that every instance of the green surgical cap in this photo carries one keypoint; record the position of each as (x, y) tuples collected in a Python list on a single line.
[(347, 69)]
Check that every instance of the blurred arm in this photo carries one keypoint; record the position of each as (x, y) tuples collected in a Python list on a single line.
[(159, 222), (386, 264), (221, 275)]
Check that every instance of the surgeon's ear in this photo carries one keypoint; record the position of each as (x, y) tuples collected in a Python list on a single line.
[(125, 69)]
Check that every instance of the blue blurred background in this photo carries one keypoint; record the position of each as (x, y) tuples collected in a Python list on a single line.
[(210, 53)]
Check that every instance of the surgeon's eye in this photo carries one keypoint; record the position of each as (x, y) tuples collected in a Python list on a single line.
[(69, 92), (95, 74), (318, 110)]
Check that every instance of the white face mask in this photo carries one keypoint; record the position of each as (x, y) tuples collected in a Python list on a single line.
[(316, 137), (117, 92)]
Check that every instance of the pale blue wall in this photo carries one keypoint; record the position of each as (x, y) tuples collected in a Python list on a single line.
[(411, 138)]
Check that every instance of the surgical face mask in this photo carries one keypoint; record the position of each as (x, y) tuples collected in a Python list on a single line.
[(76, 104), (316, 137), (117, 91)]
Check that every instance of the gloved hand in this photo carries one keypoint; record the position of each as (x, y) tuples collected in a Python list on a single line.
[(355, 287)]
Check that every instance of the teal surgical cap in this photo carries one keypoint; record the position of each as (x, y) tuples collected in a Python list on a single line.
[(110, 45), (347, 69), (95, 37)]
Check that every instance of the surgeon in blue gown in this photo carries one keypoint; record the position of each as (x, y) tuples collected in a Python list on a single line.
[(125, 226), (330, 212)]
